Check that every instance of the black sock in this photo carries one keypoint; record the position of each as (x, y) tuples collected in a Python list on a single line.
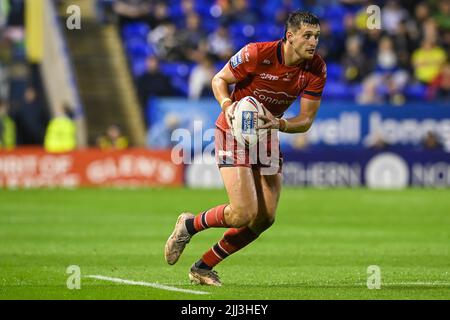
[(201, 265), (189, 223)]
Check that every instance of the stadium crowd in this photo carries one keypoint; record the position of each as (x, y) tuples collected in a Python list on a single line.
[(175, 46), (25, 114), (181, 43)]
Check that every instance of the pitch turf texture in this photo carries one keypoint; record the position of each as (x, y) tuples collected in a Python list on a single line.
[(319, 248)]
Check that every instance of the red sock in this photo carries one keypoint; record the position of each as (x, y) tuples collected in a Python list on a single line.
[(212, 218), (233, 240)]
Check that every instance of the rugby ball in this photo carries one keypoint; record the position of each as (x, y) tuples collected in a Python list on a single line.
[(246, 121)]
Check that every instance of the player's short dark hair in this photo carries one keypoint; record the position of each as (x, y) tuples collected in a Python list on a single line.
[(298, 18)]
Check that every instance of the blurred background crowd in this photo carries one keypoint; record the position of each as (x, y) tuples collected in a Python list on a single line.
[(182, 43), (174, 47)]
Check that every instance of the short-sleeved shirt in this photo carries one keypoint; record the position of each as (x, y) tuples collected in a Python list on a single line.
[(261, 72)]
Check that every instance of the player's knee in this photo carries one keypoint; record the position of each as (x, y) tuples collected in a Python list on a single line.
[(263, 223), (242, 215), (268, 222)]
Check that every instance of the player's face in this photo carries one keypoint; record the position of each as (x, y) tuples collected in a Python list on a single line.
[(305, 40)]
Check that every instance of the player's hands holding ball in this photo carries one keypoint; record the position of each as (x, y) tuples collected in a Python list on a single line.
[(270, 122), (228, 107)]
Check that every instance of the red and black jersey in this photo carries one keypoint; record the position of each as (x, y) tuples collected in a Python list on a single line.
[(261, 73)]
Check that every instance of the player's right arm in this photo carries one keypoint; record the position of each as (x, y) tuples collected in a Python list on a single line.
[(240, 66), (220, 83)]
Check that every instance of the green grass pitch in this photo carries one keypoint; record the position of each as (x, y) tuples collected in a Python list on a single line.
[(319, 247)]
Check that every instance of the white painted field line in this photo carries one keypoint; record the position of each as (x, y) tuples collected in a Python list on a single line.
[(387, 284), (145, 284), (434, 283), (398, 284)]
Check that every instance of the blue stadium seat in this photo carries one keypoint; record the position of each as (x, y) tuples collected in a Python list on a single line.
[(178, 72), (241, 34), (209, 24), (181, 85), (138, 67), (135, 29), (356, 89), (416, 91), (202, 7), (337, 89), (242, 30), (336, 26), (335, 12), (268, 32), (334, 71), (137, 48), (269, 8), (220, 65), (176, 69)]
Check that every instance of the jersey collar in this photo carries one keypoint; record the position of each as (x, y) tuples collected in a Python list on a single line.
[(280, 52), (280, 56)]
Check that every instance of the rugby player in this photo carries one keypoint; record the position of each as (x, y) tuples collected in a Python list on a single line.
[(276, 74)]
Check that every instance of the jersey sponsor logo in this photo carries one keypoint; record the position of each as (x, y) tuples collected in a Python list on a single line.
[(267, 76), (236, 59), (273, 97), (266, 61)]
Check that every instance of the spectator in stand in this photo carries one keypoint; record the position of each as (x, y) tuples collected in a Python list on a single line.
[(220, 44), (200, 78), (430, 30), (349, 24), (193, 38), (331, 44), (442, 16), (404, 45), (422, 13), (354, 61), (376, 142), (428, 61), (177, 36), (7, 128), (153, 83), (222, 11), (431, 141), (440, 87), (391, 15), (159, 14), (31, 119), (281, 9), (371, 41), (61, 135), (16, 14), (166, 42), (187, 7), (241, 13), (132, 11), (388, 77), (113, 139)]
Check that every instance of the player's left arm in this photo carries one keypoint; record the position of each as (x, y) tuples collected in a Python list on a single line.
[(303, 121), (309, 103), (300, 123)]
